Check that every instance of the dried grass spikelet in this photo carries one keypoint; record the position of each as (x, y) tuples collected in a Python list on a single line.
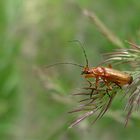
[(130, 56), (125, 55), (133, 93), (95, 101), (98, 101)]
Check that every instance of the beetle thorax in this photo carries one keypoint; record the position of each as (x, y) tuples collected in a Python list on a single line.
[(98, 71)]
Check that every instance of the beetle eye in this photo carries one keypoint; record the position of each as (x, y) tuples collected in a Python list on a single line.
[(83, 72)]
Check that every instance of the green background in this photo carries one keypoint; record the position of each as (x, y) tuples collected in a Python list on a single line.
[(34, 101)]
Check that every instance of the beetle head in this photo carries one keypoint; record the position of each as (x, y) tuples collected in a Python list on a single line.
[(86, 70)]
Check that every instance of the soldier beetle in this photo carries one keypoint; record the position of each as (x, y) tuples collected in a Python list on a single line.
[(106, 74), (98, 103)]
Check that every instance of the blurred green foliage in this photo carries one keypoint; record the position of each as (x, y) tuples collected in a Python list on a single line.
[(34, 101)]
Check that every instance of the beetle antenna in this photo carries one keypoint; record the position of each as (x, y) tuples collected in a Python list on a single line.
[(63, 63), (84, 52)]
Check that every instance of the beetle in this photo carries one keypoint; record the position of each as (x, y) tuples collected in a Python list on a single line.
[(106, 74)]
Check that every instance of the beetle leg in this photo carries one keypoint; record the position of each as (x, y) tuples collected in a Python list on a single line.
[(97, 82), (92, 89), (90, 84), (108, 93), (108, 87), (107, 84), (117, 85), (91, 93), (96, 85)]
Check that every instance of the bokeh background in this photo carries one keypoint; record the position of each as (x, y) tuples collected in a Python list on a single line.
[(34, 101)]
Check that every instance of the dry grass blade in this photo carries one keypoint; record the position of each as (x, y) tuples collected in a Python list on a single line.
[(133, 99), (133, 45), (100, 101), (129, 55), (81, 118), (103, 29), (104, 108)]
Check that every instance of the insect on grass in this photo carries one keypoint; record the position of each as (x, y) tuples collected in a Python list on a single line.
[(100, 92), (106, 74)]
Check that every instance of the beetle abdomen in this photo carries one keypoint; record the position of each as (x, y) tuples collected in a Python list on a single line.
[(119, 77), (112, 75)]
